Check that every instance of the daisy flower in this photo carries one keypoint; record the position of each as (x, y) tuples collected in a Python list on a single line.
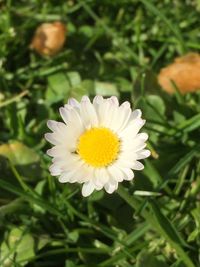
[(98, 144)]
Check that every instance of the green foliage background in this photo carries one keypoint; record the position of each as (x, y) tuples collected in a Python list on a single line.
[(113, 48)]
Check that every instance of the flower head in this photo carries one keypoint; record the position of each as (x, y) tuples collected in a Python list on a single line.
[(98, 144)]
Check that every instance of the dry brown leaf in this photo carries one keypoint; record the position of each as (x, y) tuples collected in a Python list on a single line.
[(184, 72), (49, 38)]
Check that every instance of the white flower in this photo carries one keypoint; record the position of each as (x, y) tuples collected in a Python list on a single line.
[(98, 144)]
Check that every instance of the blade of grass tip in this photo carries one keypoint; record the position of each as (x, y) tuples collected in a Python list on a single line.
[(137, 233), (181, 180), (179, 97), (190, 124), (172, 27), (159, 53), (160, 224), (183, 162)]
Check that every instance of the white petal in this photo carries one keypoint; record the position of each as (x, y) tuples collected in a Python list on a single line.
[(52, 125), (128, 174), (111, 186), (142, 136), (52, 138), (57, 151), (73, 102), (110, 117), (101, 176), (116, 173), (55, 170), (82, 174), (85, 98), (114, 100), (136, 114), (97, 179), (120, 117), (65, 135), (87, 189), (60, 162), (64, 114), (68, 162), (138, 166), (122, 163), (66, 176), (98, 187), (98, 100), (143, 154), (128, 155), (73, 162), (102, 112), (126, 104), (132, 128), (89, 115), (72, 118), (58, 140), (88, 173), (126, 110), (57, 127), (61, 128), (73, 173), (61, 135), (134, 144)]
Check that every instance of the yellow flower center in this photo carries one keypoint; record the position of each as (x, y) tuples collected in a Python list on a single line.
[(98, 147)]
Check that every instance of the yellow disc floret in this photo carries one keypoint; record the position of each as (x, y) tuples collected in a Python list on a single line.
[(98, 147)]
